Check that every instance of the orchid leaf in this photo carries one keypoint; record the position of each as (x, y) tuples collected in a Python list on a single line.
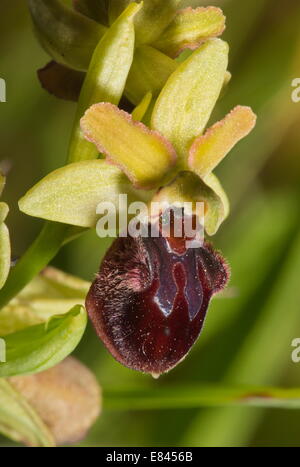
[(106, 77), (185, 104), (149, 72), (72, 193), (144, 155), (142, 108), (189, 29), (68, 36), (42, 346), (19, 421), (208, 150)]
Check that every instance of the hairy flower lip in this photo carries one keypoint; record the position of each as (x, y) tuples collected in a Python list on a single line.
[(148, 304)]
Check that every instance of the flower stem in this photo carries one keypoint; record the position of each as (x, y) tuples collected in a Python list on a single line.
[(38, 255)]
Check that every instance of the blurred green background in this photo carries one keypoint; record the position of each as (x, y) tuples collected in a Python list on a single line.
[(248, 333)]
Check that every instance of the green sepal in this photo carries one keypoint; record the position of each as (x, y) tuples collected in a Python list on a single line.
[(185, 104), (106, 77), (72, 193), (68, 36)]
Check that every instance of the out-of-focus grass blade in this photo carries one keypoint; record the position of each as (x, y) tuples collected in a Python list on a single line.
[(260, 360), (262, 81), (195, 396), (252, 248)]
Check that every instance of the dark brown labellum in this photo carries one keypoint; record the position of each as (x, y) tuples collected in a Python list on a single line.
[(150, 298)]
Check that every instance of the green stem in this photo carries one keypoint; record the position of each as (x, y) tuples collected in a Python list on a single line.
[(200, 395), (38, 255)]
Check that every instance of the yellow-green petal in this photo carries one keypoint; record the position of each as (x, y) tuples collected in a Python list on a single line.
[(209, 150), (72, 193), (141, 109), (185, 104), (190, 28), (144, 155), (106, 77)]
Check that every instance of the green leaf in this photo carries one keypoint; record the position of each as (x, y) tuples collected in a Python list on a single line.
[(190, 28), (22, 314), (149, 73), (209, 150), (68, 36), (50, 293), (53, 283), (144, 155), (106, 77), (16, 317), (198, 81), (19, 421), (72, 193), (42, 346), (187, 187), (141, 109)]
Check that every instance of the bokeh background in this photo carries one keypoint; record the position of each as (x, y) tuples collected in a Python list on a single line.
[(248, 333)]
